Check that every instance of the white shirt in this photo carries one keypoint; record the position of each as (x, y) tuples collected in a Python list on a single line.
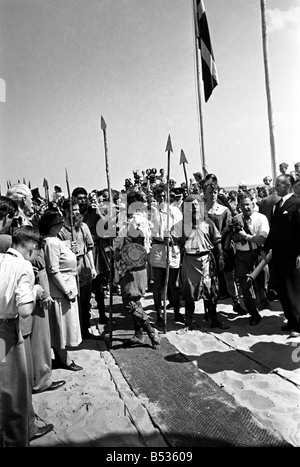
[(159, 221), (16, 283), (258, 225)]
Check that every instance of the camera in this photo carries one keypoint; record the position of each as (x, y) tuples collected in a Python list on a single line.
[(137, 177), (151, 175)]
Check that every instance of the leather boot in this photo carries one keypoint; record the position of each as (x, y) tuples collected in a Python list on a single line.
[(178, 317), (153, 334), (212, 313), (138, 338), (159, 318), (189, 314)]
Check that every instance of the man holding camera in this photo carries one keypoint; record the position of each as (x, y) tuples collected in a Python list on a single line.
[(254, 229)]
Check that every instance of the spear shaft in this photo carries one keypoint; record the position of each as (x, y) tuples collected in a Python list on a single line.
[(111, 263), (169, 150), (72, 239)]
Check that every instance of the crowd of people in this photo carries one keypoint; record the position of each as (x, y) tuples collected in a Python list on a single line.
[(182, 243)]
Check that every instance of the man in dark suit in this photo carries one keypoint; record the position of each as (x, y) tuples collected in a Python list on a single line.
[(266, 207), (284, 241), (266, 204)]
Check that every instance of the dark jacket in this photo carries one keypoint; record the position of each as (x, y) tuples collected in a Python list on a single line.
[(284, 235), (265, 206)]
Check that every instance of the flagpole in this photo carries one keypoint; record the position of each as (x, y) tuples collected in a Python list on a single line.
[(268, 89), (199, 98)]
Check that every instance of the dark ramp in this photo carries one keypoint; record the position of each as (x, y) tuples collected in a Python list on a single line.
[(187, 406)]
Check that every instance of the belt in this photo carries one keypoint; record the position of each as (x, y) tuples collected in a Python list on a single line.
[(246, 251), (139, 268), (203, 253), (8, 320), (156, 240), (173, 241)]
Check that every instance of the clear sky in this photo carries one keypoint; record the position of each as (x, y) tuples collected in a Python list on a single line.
[(67, 62)]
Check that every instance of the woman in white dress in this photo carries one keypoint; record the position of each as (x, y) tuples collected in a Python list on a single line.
[(61, 266)]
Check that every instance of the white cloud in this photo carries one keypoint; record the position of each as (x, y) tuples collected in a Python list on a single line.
[(278, 19)]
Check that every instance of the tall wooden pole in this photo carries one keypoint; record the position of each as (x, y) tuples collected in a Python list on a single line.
[(198, 71), (169, 149), (268, 89), (111, 258), (72, 240)]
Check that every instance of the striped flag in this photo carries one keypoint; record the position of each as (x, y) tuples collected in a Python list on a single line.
[(209, 69)]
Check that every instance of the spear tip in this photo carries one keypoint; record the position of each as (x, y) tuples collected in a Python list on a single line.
[(169, 144), (183, 159), (103, 124)]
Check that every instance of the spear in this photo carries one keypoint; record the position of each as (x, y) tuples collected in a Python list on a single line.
[(24, 181), (169, 149), (103, 128), (71, 206), (72, 239), (183, 161), (46, 188), (29, 185)]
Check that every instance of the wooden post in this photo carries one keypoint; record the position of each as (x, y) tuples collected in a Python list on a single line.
[(169, 150), (103, 127), (268, 89)]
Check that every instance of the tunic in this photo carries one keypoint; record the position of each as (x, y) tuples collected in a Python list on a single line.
[(198, 274)]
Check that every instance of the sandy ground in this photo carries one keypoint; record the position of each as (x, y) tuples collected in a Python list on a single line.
[(259, 366)]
